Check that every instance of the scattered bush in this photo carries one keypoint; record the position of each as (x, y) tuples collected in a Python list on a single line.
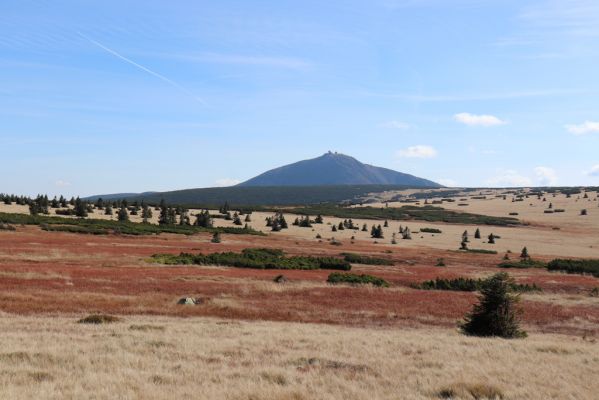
[(100, 226), (354, 279)]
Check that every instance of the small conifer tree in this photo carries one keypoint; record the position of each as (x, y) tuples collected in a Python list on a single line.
[(123, 215), (496, 313)]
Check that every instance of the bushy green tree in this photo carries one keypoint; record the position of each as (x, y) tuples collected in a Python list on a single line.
[(203, 219), (123, 214), (496, 313), (237, 219), (146, 213), (80, 208), (376, 232)]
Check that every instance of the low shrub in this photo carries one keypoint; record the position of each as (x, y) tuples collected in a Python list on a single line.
[(522, 264), (478, 391), (354, 279), (146, 328), (470, 285), (7, 227), (405, 213), (98, 319), (360, 259), (91, 230), (582, 267), (254, 258), (430, 230), (479, 251)]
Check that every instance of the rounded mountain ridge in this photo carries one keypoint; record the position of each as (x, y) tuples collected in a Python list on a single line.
[(335, 169)]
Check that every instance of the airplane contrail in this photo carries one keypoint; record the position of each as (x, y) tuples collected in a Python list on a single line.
[(149, 71)]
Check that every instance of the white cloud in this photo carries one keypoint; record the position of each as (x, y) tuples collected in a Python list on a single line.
[(584, 128), (546, 176), (447, 182), (395, 125), (509, 177), (478, 120), (62, 183), (419, 151), (227, 182), (594, 171)]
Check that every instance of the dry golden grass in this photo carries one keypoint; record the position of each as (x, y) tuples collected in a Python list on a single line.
[(166, 358)]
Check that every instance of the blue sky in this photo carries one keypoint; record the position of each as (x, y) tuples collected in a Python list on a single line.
[(113, 96)]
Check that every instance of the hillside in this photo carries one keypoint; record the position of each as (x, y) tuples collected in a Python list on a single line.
[(259, 195), (335, 169)]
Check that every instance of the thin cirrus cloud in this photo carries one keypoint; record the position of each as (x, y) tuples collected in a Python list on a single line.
[(141, 67), (583, 129), (478, 120), (419, 151), (291, 63)]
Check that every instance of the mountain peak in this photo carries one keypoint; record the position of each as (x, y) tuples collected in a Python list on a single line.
[(333, 168)]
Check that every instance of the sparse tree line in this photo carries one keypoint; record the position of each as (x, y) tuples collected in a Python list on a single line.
[(123, 209)]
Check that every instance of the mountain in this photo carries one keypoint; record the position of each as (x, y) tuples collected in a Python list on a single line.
[(335, 169)]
